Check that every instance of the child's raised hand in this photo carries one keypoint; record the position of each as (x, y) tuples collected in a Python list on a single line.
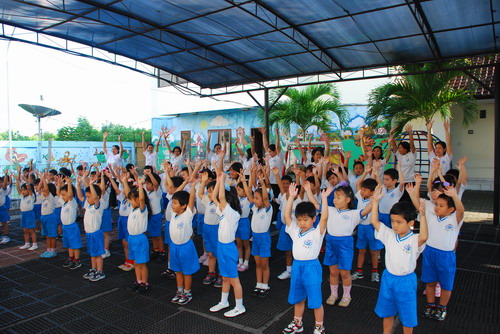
[(306, 185), (326, 192), (461, 162), (378, 193), (418, 178), (105, 135), (120, 137), (409, 187), (348, 155), (141, 180), (429, 125), (368, 168), (450, 191), (292, 190), (409, 128), (275, 170), (421, 209), (446, 125)]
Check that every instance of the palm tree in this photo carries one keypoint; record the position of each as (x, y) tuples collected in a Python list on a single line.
[(307, 107), (416, 96)]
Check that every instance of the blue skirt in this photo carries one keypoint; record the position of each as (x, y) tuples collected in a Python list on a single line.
[(28, 219)]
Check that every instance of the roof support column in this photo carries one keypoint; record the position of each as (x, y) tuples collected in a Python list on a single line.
[(266, 111), (496, 182)]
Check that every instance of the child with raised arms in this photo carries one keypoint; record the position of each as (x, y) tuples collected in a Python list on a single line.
[(339, 253), (229, 212), (72, 239), (154, 193), (243, 232), (392, 191), (48, 192), (94, 236), (183, 256), (398, 290), (307, 271), (441, 150), (107, 223), (284, 241), (28, 219), (4, 207)]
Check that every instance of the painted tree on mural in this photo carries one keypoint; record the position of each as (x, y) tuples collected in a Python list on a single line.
[(306, 107), (411, 97)]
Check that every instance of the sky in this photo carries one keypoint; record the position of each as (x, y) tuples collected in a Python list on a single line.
[(78, 86)]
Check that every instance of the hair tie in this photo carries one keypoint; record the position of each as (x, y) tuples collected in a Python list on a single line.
[(446, 184), (227, 187), (343, 184), (437, 181)]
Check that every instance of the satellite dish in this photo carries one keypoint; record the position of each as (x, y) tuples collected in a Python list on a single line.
[(39, 111)]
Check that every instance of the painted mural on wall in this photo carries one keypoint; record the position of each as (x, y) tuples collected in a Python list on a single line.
[(241, 121), (64, 153)]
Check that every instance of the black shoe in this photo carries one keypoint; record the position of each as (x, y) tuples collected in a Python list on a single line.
[(59, 237), (67, 263), (168, 274), (429, 311), (142, 288), (75, 265), (264, 292), (133, 286), (440, 313), (154, 255), (255, 292), (162, 257)]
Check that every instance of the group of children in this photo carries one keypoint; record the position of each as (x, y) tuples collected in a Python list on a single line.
[(233, 210)]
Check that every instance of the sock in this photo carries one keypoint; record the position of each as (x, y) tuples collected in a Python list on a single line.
[(289, 269), (239, 304), (76, 260), (26, 244), (347, 291), (71, 258), (35, 244), (264, 286), (245, 263), (442, 307), (431, 304), (298, 320), (319, 323), (223, 298), (359, 270), (240, 260), (162, 251), (180, 289), (374, 270), (187, 291), (156, 250), (335, 290), (259, 286)]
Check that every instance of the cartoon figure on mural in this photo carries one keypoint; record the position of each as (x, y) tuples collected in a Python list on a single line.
[(16, 158), (198, 142), (240, 137), (65, 160)]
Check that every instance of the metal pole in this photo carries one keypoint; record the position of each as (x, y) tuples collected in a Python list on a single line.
[(39, 147), (496, 182), (266, 110)]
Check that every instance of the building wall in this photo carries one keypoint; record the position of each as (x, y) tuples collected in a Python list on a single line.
[(477, 146)]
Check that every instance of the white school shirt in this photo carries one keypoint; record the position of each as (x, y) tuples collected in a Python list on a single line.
[(362, 204), (69, 212), (177, 162), (27, 203), (213, 157), (162, 184), (353, 180), (228, 224), (181, 227), (341, 223), (443, 232), (48, 204), (306, 245), (461, 191), (407, 163), (389, 198), (247, 164), (93, 217), (38, 198), (261, 219), (150, 158), (245, 207), (114, 160), (125, 207), (59, 202), (445, 161), (200, 208), (276, 161), (154, 200), (137, 221), (401, 254), (2, 196), (105, 198), (382, 166), (211, 216), (168, 210)]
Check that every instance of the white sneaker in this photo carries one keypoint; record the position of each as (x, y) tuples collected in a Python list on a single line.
[(219, 307), (285, 275), (26, 246), (234, 312), (4, 240), (106, 254), (34, 247)]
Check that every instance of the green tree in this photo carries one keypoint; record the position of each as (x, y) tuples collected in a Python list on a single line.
[(84, 131), (128, 133), (416, 96), (313, 105), (15, 136)]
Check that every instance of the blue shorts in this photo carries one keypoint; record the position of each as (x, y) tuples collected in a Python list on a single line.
[(339, 251), (439, 266), (285, 243), (57, 214), (261, 244), (38, 211), (122, 227), (138, 248), (227, 259), (211, 238), (199, 223), (95, 243), (306, 283), (164, 202), (243, 231), (4, 214), (166, 235), (106, 220), (28, 219), (154, 225), (366, 238), (7, 202), (49, 226), (71, 236), (385, 218), (398, 295), (183, 258)]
